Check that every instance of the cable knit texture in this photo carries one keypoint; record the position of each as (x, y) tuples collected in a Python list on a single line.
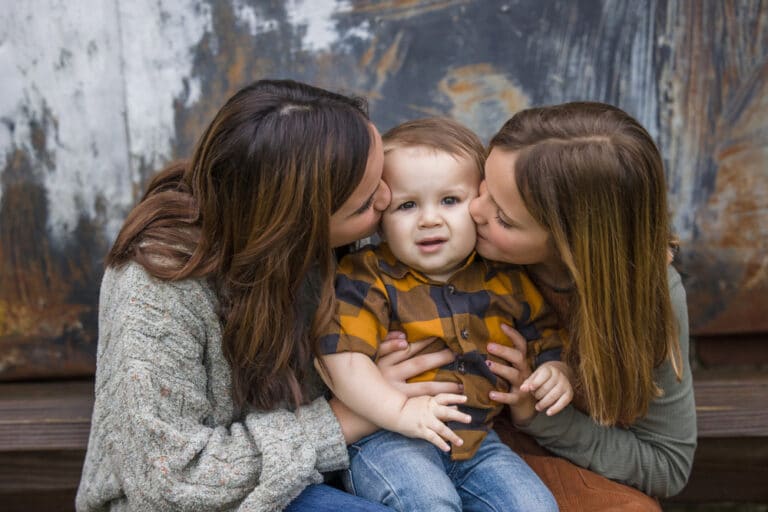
[(164, 433)]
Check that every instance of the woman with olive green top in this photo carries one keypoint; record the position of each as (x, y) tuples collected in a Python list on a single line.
[(576, 193)]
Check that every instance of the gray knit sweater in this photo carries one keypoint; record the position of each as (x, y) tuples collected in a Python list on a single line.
[(656, 453), (164, 434)]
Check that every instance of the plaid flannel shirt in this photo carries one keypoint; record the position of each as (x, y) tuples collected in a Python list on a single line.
[(376, 294)]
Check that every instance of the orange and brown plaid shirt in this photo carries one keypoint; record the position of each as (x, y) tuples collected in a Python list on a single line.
[(376, 294)]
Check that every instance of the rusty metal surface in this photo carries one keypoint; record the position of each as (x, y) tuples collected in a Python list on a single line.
[(94, 98)]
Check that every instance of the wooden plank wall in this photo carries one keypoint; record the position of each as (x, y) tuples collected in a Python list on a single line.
[(96, 96)]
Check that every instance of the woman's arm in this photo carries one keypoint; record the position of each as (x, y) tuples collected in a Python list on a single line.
[(165, 434), (656, 453)]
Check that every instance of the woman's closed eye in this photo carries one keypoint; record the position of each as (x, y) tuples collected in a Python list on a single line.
[(502, 222), (366, 206)]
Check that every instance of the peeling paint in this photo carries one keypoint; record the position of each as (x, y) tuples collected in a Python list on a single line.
[(394, 10), (482, 97), (316, 20), (158, 41), (67, 90), (97, 96)]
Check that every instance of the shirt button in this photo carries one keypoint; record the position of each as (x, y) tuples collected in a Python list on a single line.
[(465, 334), (451, 289)]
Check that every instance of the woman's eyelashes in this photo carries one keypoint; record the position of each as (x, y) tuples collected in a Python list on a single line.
[(502, 222), (366, 206)]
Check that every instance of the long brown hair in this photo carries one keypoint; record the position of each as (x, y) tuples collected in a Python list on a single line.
[(251, 211), (592, 175)]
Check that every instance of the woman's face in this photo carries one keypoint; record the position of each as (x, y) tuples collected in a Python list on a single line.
[(505, 230), (359, 216)]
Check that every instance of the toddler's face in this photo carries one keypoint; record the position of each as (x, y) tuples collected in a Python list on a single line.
[(427, 223)]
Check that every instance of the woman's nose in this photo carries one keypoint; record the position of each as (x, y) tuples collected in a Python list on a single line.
[(476, 206), (382, 197)]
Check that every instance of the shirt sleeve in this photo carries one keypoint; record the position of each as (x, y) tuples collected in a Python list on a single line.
[(361, 316), (155, 417), (655, 454)]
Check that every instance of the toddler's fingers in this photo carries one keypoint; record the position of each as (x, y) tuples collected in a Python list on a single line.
[(450, 399), (432, 388), (548, 398), (563, 401), (434, 438), (547, 401), (391, 346), (395, 335), (449, 435), (536, 380), (452, 413)]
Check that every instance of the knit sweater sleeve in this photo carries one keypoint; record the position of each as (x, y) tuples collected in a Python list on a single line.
[(656, 453), (163, 433)]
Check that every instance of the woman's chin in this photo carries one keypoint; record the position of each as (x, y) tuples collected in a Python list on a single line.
[(485, 249)]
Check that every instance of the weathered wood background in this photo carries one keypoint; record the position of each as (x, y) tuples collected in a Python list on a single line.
[(95, 96)]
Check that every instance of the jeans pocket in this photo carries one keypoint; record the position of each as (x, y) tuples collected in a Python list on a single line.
[(348, 482)]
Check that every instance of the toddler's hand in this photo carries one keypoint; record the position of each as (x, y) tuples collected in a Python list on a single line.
[(424, 416), (551, 385)]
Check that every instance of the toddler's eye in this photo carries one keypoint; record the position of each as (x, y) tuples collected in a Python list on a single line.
[(451, 200), (407, 205)]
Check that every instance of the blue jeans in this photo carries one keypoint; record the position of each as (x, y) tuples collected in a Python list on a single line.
[(324, 498), (412, 475)]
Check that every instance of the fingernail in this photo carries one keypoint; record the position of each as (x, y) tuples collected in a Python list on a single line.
[(488, 363), (461, 388), (493, 395), (491, 347)]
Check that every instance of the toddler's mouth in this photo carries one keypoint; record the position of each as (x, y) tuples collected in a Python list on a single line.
[(430, 241), (430, 245)]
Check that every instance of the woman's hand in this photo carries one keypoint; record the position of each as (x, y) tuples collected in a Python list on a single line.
[(399, 361), (521, 403)]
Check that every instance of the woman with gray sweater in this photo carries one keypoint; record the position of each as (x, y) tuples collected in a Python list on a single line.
[(206, 395)]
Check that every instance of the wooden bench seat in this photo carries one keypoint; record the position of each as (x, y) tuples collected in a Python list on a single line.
[(44, 432), (43, 435), (731, 462)]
